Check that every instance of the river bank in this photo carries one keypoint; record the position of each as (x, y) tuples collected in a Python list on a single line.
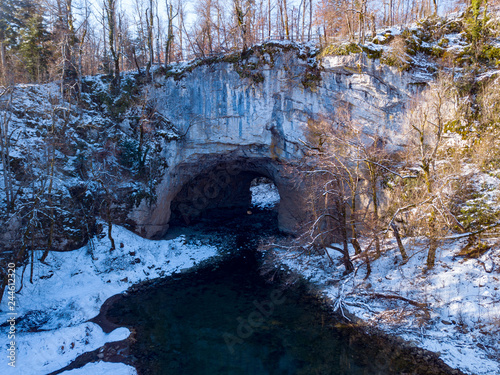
[(55, 325), (452, 310), (53, 312)]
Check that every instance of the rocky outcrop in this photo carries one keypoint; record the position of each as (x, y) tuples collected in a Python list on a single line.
[(251, 115), (188, 143)]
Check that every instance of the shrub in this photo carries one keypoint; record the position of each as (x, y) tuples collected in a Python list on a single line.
[(129, 153), (397, 55), (344, 49)]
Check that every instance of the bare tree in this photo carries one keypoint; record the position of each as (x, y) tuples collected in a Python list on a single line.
[(69, 40), (104, 171), (3, 60), (50, 145), (180, 28), (85, 27), (110, 9), (362, 12), (427, 120), (337, 153), (5, 137), (241, 13), (204, 28), (306, 6), (283, 12), (170, 31), (149, 31), (336, 19)]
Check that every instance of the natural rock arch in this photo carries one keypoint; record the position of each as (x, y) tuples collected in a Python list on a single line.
[(216, 183), (214, 116)]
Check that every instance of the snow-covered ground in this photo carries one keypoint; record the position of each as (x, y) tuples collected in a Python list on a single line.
[(103, 368), (53, 311), (462, 317), (265, 195), (462, 295)]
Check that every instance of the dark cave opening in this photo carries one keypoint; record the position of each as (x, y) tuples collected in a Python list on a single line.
[(222, 195)]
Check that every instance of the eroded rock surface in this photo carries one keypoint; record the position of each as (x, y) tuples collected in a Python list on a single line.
[(252, 116)]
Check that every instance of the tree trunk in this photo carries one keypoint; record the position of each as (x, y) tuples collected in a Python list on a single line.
[(343, 229), (80, 67), (368, 265), (431, 255), (181, 27), (361, 28), (373, 184), (269, 25), (52, 218), (4, 64), (149, 26), (309, 33), (5, 153), (374, 30), (349, 29), (356, 245), (158, 40), (18, 256), (134, 55), (285, 20), (241, 21), (113, 45), (110, 231), (400, 243), (354, 234), (170, 33), (49, 191)]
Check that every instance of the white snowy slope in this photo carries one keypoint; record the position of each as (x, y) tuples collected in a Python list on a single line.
[(463, 315), (71, 289)]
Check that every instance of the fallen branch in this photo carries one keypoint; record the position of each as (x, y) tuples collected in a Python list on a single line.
[(359, 304), (420, 305), (468, 234)]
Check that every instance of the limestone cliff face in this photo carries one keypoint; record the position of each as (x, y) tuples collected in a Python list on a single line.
[(252, 114)]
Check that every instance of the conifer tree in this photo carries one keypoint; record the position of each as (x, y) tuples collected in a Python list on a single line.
[(34, 47)]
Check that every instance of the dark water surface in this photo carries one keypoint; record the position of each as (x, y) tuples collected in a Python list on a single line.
[(227, 319)]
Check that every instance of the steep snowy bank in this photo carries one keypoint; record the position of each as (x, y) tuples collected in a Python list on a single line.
[(453, 310), (53, 311)]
